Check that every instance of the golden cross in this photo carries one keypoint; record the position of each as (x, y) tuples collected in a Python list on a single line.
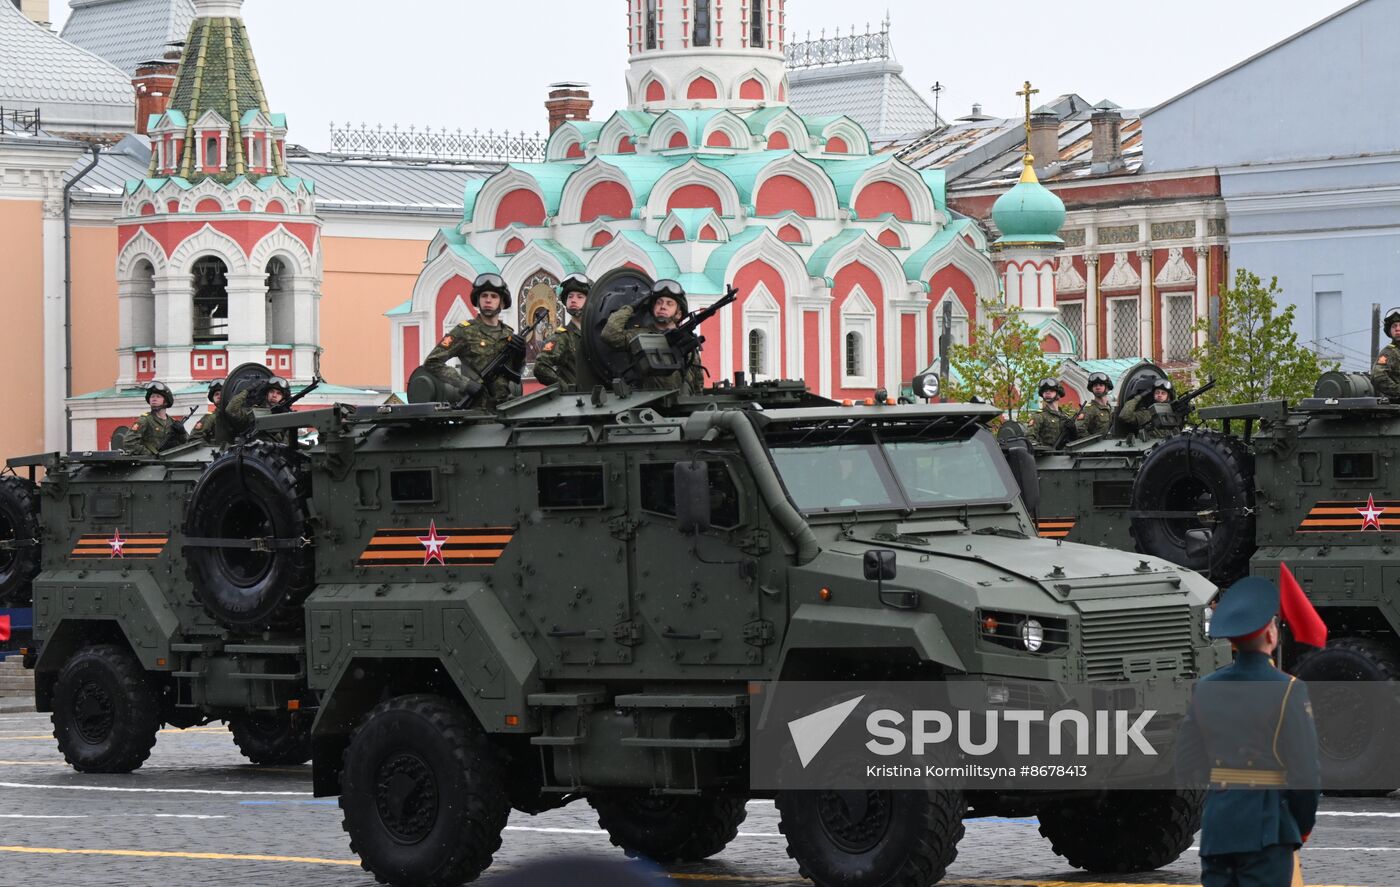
[(1027, 92)]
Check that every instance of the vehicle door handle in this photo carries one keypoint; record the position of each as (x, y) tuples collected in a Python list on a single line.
[(709, 634)]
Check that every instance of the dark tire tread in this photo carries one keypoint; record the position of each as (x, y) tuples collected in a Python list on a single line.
[(288, 745), (1124, 835), (1381, 656), (698, 829), (20, 498), (134, 735)]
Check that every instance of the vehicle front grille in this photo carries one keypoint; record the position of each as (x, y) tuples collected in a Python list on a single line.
[(1136, 644)]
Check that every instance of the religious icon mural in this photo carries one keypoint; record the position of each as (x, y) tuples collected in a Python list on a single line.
[(540, 310)]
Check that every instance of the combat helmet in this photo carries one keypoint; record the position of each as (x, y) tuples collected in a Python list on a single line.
[(158, 387), (1051, 384), (1163, 383), (575, 283), (671, 289), (490, 283), (215, 388), (1099, 378), (1391, 316)]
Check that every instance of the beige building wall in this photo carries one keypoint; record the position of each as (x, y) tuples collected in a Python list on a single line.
[(94, 307), (364, 278), (22, 328)]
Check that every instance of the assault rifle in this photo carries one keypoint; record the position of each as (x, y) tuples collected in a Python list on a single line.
[(1182, 405), (684, 337), (316, 381), (510, 363)]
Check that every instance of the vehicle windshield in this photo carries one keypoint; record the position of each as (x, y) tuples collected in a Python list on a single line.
[(874, 472)]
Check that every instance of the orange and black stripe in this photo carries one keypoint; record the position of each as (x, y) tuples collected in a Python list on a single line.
[(134, 546), (463, 547), (1055, 527), (1337, 516)]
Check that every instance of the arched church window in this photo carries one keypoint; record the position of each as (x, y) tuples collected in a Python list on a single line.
[(210, 301), (279, 304), (257, 152), (854, 355), (143, 307), (758, 356), (211, 151), (651, 24), (756, 24), (701, 36)]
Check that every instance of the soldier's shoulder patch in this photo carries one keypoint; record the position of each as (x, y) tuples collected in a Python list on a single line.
[(135, 426), (548, 346), (446, 340), (1382, 359), (562, 329)]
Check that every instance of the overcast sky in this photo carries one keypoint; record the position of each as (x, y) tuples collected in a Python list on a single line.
[(487, 65)]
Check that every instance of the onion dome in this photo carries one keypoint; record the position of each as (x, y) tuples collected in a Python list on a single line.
[(1029, 213)]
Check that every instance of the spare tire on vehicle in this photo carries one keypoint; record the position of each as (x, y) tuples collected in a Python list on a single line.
[(248, 529), (1197, 480), (20, 554)]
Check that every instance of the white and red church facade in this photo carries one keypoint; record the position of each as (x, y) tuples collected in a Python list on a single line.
[(842, 258)]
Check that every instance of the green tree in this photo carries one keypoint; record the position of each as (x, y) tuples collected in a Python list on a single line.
[(1255, 355), (1002, 365)]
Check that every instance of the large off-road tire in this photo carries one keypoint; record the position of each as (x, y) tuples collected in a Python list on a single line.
[(19, 525), (869, 838), (1123, 831), (256, 491), (670, 828), (1355, 742), (1190, 473), (272, 738), (424, 794), (105, 713)]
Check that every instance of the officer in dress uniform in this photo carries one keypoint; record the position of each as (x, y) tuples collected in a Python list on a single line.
[(556, 363), (476, 343), (157, 430), (1385, 372), (205, 428), (666, 306), (1051, 422), (1249, 735), (1096, 416)]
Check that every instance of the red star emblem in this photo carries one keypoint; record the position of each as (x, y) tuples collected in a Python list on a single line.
[(116, 543), (1370, 515), (432, 545)]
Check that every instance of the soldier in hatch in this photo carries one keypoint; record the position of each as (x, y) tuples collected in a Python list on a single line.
[(1096, 416), (206, 429), (1149, 419), (667, 306), (1385, 372), (157, 430), (476, 343), (556, 363), (273, 395), (1051, 424)]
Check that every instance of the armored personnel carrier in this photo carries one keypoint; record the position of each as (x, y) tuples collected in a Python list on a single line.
[(570, 597)]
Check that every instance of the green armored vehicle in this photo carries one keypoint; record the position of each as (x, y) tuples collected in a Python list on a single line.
[(571, 598)]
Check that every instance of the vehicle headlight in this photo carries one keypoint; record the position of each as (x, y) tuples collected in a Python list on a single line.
[(1032, 635), (925, 385), (1206, 614)]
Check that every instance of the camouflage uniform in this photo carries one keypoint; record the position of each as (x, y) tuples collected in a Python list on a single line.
[(206, 429), (1096, 419), (1151, 424), (1385, 372), (152, 434), (240, 417), (476, 344), (1049, 425), (617, 334), (556, 362)]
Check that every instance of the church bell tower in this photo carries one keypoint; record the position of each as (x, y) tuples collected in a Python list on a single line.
[(696, 54)]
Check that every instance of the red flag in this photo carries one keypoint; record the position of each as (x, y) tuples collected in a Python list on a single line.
[(4, 628), (1307, 627)]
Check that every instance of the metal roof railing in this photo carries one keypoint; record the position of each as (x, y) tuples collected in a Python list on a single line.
[(20, 122), (365, 142), (871, 46)]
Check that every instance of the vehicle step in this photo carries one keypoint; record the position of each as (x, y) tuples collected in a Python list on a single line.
[(647, 742), (204, 648), (559, 740), (569, 699), (682, 700), (266, 649), (187, 674), (250, 676)]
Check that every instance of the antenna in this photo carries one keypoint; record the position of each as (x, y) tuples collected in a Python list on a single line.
[(937, 89)]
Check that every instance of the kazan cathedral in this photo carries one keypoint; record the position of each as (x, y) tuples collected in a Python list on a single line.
[(843, 258)]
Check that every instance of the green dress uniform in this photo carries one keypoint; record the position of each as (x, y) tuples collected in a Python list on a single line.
[(1096, 418), (151, 434), (1050, 424), (476, 344), (1385, 372), (556, 363), (617, 334), (1249, 736)]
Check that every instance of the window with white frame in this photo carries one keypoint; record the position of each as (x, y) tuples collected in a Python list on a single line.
[(211, 152), (858, 341), (959, 326), (761, 334), (257, 151), (220, 362), (1123, 327), (1072, 316), (201, 362), (758, 354), (1178, 314)]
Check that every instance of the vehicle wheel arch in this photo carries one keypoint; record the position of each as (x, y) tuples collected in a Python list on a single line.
[(67, 638)]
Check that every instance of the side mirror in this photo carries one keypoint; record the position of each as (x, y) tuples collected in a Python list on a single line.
[(693, 496), (1198, 546), (879, 565)]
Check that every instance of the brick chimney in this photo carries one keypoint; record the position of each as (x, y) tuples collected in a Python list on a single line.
[(36, 10), (567, 101), (1106, 125), (154, 83), (1045, 139)]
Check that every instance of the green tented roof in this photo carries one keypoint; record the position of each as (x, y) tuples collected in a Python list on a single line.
[(937, 182), (404, 307), (758, 121), (469, 193), (846, 171), (643, 171), (719, 260), (551, 178), (572, 264), (914, 265), (637, 121), (816, 125), (661, 258), (458, 244), (820, 261)]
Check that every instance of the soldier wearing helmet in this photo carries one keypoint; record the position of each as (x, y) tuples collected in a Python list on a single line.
[(476, 343), (1154, 416), (206, 429), (1096, 416), (271, 395), (556, 363), (1051, 425), (1385, 372), (665, 307), (156, 430)]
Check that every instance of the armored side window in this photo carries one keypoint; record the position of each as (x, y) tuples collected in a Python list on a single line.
[(573, 486), (412, 485), (1354, 466), (658, 481), (1113, 493)]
